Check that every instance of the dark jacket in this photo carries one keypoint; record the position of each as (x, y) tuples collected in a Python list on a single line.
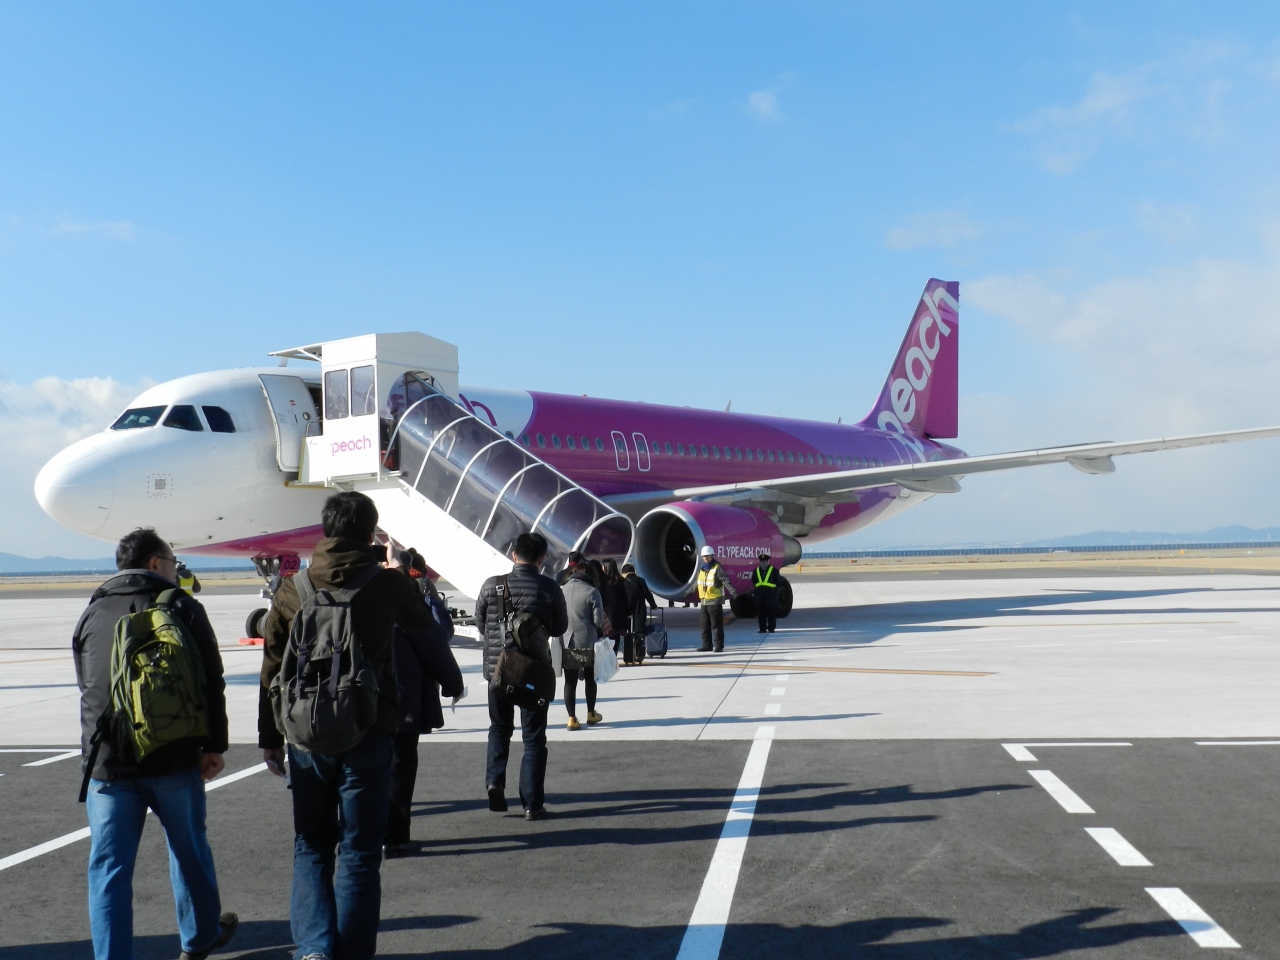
[(425, 669), (131, 591), (390, 598), (531, 592), (638, 594), (617, 606)]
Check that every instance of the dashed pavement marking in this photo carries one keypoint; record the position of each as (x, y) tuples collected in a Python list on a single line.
[(1065, 796), (772, 709), (1020, 752), (62, 756), (705, 933), (1201, 927), (1237, 743), (1122, 851), (22, 856)]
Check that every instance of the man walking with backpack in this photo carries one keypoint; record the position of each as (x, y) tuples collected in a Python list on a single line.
[(503, 600), (329, 690), (158, 757)]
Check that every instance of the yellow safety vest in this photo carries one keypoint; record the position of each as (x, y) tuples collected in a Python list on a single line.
[(709, 583), (767, 579)]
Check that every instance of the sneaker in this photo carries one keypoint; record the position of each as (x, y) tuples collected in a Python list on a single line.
[(719, 650), (536, 813), (497, 799), (593, 717), (227, 925), (704, 649), (573, 723)]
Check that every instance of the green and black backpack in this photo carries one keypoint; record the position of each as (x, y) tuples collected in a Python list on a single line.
[(157, 685)]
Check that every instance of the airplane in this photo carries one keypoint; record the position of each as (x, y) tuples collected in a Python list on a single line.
[(236, 463)]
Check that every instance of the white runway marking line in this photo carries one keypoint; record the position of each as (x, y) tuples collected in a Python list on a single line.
[(1122, 851), (1238, 743), (772, 709), (778, 692), (705, 933), (782, 678), (1065, 796), (1020, 752), (22, 856), (62, 756), (1199, 925)]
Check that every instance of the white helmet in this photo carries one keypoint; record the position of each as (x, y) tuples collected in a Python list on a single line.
[(706, 552)]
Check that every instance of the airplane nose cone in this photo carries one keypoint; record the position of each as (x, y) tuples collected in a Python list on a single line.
[(77, 487)]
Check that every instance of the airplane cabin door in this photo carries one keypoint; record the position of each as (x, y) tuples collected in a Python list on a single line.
[(620, 450), (292, 411), (642, 452)]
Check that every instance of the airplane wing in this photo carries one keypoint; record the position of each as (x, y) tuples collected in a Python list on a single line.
[(938, 476)]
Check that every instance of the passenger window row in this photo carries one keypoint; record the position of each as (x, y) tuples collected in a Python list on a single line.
[(712, 452), (181, 416)]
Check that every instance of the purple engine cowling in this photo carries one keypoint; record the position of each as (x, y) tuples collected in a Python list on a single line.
[(668, 539)]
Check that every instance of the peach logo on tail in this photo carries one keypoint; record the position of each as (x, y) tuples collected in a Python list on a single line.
[(348, 446), (918, 365)]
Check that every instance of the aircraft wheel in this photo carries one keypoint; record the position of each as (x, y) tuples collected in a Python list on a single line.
[(785, 597), (743, 607), (253, 623)]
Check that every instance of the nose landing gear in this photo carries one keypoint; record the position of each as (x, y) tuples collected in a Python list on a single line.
[(274, 570)]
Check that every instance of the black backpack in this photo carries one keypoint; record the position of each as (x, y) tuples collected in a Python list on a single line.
[(524, 675), (325, 697)]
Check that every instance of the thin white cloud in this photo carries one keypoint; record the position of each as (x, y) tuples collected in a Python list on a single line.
[(764, 106), (676, 108), (111, 229), (36, 421), (1183, 93), (1170, 223), (937, 229)]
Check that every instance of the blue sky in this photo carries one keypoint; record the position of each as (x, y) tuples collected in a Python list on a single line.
[(684, 203)]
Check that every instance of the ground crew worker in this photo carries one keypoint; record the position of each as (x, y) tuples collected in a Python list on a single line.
[(712, 586), (765, 592)]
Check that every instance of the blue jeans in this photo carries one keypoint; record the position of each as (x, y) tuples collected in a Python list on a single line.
[(117, 810), (339, 814), (533, 768)]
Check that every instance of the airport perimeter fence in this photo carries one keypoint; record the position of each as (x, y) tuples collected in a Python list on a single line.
[(1007, 551)]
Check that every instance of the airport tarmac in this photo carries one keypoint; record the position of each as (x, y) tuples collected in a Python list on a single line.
[(1011, 767)]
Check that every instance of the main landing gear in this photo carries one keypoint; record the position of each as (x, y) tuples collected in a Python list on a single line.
[(744, 606), (274, 570)]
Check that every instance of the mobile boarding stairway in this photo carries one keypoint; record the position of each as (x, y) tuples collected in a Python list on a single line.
[(445, 482)]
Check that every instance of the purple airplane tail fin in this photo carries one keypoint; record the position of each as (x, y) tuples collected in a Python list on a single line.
[(920, 397)]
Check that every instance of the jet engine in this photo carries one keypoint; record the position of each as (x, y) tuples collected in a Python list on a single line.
[(668, 539)]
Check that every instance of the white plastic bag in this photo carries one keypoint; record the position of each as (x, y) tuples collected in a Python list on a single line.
[(606, 660), (557, 655)]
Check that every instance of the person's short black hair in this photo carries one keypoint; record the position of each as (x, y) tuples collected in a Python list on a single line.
[(574, 557), (628, 568), (350, 515), (530, 548), (136, 548)]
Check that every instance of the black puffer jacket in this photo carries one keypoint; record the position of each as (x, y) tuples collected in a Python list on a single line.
[(131, 591), (531, 592)]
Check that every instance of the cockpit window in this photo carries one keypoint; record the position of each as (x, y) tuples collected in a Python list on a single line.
[(219, 420), (184, 417), (138, 417)]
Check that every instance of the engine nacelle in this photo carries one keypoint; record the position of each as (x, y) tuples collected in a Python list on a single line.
[(669, 537)]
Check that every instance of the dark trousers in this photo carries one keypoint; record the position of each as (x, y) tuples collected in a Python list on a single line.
[(712, 620), (404, 774), (340, 820), (632, 648), (571, 690), (533, 768), (767, 610)]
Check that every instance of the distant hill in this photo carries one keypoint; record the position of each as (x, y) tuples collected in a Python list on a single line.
[(1110, 538), (12, 563)]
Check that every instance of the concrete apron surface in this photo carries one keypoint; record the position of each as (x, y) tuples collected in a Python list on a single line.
[(872, 780)]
